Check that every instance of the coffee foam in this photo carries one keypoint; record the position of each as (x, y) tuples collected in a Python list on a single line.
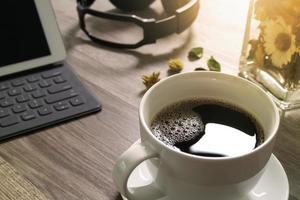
[(177, 123)]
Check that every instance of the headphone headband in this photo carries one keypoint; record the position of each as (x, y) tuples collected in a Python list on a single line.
[(179, 21)]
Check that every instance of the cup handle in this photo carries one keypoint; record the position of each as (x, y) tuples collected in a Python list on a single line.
[(127, 162)]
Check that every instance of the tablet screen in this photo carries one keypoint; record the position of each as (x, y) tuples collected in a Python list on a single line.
[(21, 35)]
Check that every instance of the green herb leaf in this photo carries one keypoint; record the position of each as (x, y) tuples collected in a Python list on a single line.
[(196, 53), (175, 65), (213, 65)]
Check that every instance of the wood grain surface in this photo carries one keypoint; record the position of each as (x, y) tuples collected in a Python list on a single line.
[(14, 187), (74, 160)]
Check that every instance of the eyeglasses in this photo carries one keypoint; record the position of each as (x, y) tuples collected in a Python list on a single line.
[(144, 31)]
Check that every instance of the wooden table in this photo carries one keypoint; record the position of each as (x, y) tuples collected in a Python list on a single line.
[(74, 161)]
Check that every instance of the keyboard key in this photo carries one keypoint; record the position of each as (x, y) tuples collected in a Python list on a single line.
[(17, 82), (76, 101), (9, 121), (29, 87), (19, 108), (61, 106), (28, 115), (3, 113), (59, 79), (33, 78), (7, 102), (58, 88), (4, 86), (51, 74), (46, 110), (32, 101), (44, 83), (35, 103), (22, 98), (60, 96), (14, 91), (38, 94)]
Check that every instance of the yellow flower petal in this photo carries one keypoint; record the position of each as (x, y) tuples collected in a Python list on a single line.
[(279, 41)]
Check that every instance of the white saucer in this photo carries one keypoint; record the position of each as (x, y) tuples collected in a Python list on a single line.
[(272, 185)]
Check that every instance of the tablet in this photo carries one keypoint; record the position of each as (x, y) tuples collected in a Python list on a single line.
[(29, 36)]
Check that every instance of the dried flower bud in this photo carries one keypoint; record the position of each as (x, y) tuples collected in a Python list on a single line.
[(150, 80), (175, 65)]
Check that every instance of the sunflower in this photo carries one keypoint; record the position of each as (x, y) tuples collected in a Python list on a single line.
[(279, 41)]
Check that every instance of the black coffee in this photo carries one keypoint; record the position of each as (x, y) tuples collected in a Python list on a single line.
[(207, 128)]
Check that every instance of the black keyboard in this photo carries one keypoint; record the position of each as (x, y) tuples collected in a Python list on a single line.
[(41, 98)]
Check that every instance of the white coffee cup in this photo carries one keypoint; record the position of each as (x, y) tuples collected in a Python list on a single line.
[(183, 176)]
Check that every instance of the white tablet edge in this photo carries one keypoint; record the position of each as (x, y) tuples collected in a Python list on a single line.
[(54, 40)]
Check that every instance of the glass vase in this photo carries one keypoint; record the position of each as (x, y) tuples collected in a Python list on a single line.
[(271, 49)]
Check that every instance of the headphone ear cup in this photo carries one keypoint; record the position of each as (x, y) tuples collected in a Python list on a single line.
[(172, 5), (86, 3), (130, 5)]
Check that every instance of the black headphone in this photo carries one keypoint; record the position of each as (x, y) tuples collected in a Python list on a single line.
[(182, 14)]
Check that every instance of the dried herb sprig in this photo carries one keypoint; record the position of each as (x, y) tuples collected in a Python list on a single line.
[(175, 65), (150, 80)]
